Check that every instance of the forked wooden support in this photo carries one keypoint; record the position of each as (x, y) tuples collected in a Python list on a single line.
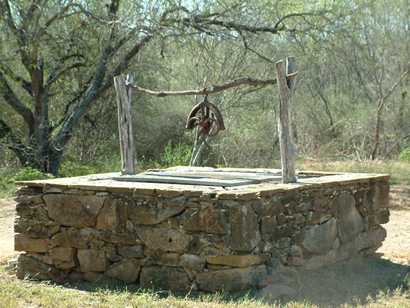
[(286, 75), (125, 123)]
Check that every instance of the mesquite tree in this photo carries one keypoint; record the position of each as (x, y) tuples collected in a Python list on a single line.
[(59, 57)]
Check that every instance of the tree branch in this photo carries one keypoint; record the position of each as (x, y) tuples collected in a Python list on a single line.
[(26, 85), (393, 87), (13, 101), (212, 89), (13, 143), (57, 74), (203, 22), (94, 88)]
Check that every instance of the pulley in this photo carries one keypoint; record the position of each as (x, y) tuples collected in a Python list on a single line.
[(206, 117)]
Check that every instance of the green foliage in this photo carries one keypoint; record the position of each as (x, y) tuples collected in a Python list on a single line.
[(9, 176), (7, 186), (405, 155), (28, 174), (71, 167), (176, 155)]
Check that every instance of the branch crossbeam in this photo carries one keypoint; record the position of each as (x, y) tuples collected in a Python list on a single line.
[(212, 89)]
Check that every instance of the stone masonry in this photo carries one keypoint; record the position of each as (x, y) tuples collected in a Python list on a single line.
[(179, 238)]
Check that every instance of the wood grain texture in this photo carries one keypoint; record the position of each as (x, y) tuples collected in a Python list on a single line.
[(125, 124), (285, 86)]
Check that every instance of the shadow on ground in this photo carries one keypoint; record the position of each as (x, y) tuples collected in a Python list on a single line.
[(354, 282), (351, 282)]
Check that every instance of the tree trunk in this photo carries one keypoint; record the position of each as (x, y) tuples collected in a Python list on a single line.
[(376, 138)]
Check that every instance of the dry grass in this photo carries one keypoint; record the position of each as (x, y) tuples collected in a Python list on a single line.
[(398, 170), (26, 293)]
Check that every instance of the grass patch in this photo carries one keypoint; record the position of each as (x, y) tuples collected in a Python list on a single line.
[(26, 293), (398, 170), (7, 187)]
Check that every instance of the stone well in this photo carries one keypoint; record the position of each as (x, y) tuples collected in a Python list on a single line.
[(207, 237)]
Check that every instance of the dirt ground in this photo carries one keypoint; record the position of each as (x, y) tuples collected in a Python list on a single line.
[(7, 209), (347, 282)]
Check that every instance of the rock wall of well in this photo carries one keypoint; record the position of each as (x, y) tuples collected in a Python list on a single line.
[(184, 241)]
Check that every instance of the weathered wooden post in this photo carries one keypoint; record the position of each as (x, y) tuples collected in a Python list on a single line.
[(286, 73), (125, 123)]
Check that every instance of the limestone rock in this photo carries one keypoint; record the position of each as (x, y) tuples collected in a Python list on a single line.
[(24, 243), (350, 222), (159, 258), (268, 225), (24, 201), (73, 210), (72, 237), (112, 216), (164, 239), (244, 228), (92, 260), (192, 262), (52, 190), (236, 260), (153, 214), (383, 216), (33, 268), (236, 279), (380, 196), (208, 219), (295, 257), (135, 251), (35, 228), (320, 238), (371, 238), (166, 278), (126, 270), (62, 257)]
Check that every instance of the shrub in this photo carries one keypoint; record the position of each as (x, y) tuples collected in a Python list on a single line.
[(28, 174), (176, 155), (70, 168), (405, 155)]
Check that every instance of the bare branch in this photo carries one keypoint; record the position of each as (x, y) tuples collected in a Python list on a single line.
[(13, 143), (57, 74), (212, 89), (123, 63), (13, 101), (26, 85), (204, 23), (393, 87), (247, 47)]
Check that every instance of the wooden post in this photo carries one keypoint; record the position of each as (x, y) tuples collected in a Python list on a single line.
[(286, 73), (125, 123)]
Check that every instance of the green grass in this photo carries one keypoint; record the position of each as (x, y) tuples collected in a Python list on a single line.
[(22, 293), (7, 186), (26, 293)]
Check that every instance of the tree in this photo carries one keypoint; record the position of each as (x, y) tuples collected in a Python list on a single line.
[(82, 46)]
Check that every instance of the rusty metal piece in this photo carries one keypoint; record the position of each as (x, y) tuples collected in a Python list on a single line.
[(207, 117)]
